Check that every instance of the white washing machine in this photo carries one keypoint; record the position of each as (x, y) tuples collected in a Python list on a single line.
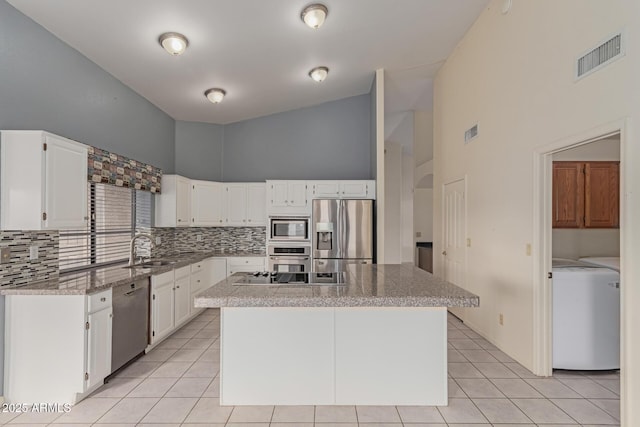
[(586, 316), (608, 262)]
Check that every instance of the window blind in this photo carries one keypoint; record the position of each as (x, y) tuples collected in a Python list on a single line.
[(115, 213)]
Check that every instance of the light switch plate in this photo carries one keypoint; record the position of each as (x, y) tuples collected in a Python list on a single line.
[(5, 255), (158, 240)]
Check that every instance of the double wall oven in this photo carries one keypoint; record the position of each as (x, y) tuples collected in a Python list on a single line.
[(289, 244)]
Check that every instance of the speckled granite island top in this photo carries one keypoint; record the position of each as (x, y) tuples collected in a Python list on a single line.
[(382, 285), (99, 279)]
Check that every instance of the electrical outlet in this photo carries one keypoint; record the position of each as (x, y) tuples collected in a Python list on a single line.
[(418, 233), (528, 249), (5, 255), (468, 242), (158, 240), (199, 237), (33, 252), (501, 319)]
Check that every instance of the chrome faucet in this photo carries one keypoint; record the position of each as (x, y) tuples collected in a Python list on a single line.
[(132, 245)]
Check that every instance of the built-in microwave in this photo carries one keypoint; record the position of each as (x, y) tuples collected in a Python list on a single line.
[(289, 228)]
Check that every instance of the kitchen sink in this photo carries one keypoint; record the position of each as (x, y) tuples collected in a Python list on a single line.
[(151, 264)]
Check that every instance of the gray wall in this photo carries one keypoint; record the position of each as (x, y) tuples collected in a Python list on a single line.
[(45, 84), (326, 141), (198, 150)]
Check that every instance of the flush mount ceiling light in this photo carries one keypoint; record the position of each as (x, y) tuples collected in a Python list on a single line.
[(215, 95), (314, 15), (318, 74), (174, 43)]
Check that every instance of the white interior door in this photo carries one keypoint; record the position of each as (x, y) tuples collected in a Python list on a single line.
[(454, 228)]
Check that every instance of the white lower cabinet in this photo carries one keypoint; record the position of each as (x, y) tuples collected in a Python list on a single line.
[(57, 347), (218, 270), (172, 295), (99, 335), (182, 295), (162, 301), (244, 264)]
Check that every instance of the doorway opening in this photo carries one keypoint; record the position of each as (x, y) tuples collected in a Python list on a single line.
[(544, 233)]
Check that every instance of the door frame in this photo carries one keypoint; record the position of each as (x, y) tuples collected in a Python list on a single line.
[(542, 238)]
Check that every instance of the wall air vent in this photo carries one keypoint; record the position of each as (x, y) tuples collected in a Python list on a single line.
[(601, 56), (470, 134)]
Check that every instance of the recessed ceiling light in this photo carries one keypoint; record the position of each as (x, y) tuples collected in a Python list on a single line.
[(319, 73), (314, 15), (174, 43), (215, 95)]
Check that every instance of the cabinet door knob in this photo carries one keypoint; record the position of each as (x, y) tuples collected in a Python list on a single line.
[(178, 287), (103, 299), (198, 281), (444, 253), (249, 220)]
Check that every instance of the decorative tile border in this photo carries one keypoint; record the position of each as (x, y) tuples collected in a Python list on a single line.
[(225, 240), (110, 168), (20, 269)]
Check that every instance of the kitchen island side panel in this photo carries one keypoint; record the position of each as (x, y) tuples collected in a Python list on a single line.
[(329, 356)]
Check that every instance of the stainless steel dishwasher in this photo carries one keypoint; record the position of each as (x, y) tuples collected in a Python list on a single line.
[(130, 334)]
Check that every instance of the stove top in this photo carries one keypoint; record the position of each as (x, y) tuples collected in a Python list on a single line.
[(284, 278)]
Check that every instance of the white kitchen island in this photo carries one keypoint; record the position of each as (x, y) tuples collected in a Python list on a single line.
[(381, 339)]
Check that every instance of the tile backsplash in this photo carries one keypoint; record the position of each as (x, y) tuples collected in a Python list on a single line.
[(225, 240), (20, 269)]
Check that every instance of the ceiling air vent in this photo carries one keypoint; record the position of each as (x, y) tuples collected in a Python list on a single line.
[(470, 133), (599, 57)]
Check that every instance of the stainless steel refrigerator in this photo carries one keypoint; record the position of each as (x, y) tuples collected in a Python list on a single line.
[(342, 233)]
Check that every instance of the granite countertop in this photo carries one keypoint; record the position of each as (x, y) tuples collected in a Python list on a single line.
[(96, 280), (382, 285)]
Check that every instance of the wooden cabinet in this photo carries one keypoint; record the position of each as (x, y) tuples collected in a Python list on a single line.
[(43, 180), (59, 346), (586, 194), (287, 198), (207, 204), (173, 205), (351, 189)]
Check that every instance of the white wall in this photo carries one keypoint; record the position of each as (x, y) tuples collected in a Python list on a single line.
[(423, 136), (393, 197), (513, 74), (423, 192), (423, 214), (575, 243)]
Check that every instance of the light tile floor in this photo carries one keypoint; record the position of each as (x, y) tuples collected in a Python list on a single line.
[(177, 384)]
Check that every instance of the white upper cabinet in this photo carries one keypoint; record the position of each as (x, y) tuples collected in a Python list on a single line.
[(287, 198), (351, 189), (44, 181), (358, 189), (246, 204), (256, 204), (324, 189), (207, 204), (183, 201), (236, 195), (173, 205)]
